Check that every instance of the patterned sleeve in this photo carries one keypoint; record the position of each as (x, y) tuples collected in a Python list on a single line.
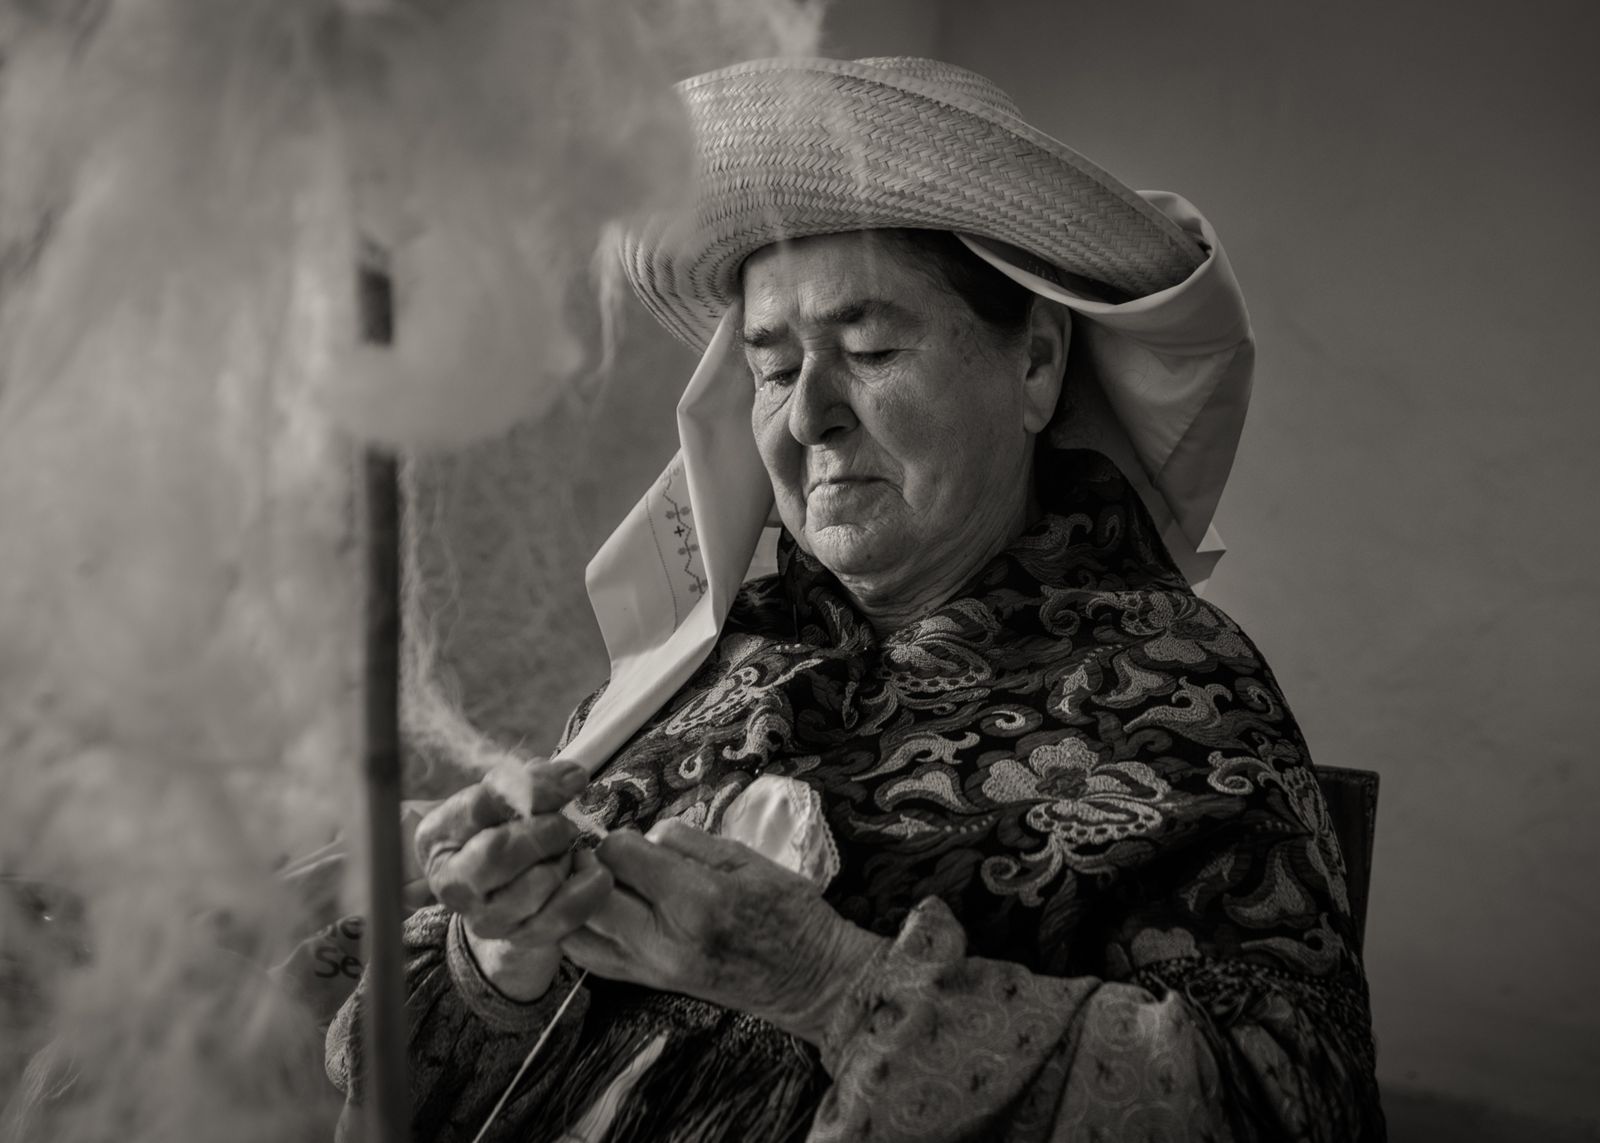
[(935, 1045), (466, 1040)]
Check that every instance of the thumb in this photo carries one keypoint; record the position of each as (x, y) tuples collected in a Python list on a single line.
[(698, 845)]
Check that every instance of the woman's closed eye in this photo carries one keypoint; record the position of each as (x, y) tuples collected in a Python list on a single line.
[(770, 368), (784, 373), (779, 376)]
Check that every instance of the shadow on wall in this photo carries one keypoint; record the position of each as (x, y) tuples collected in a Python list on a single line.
[(1427, 1117)]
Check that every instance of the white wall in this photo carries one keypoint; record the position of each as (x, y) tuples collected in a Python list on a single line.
[(1408, 192)]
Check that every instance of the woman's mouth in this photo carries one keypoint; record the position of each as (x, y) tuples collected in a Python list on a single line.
[(835, 483)]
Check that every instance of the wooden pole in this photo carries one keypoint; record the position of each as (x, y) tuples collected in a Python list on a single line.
[(387, 1098)]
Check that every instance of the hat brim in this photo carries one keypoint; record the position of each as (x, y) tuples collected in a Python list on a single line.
[(793, 148)]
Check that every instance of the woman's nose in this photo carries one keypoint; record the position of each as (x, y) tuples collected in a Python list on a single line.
[(819, 409)]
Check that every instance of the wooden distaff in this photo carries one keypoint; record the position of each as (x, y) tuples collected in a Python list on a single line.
[(388, 1105)]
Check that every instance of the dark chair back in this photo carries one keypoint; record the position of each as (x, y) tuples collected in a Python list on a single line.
[(1352, 800)]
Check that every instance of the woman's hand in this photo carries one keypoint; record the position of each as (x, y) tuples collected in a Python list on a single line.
[(711, 918), (497, 853)]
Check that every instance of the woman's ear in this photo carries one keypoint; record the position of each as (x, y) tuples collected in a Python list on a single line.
[(1049, 339)]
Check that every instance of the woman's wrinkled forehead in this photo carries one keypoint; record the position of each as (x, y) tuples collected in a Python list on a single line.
[(836, 279), (862, 255), (931, 273)]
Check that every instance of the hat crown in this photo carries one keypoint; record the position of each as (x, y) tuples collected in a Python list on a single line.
[(790, 147), (937, 73)]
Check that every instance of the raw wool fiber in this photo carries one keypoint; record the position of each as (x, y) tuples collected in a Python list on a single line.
[(178, 602), (502, 643), (183, 185)]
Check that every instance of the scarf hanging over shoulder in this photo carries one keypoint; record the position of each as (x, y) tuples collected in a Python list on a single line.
[(1075, 753)]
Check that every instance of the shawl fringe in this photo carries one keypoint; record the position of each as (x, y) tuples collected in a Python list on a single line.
[(721, 1077)]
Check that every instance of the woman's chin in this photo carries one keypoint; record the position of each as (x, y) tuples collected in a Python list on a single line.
[(850, 551)]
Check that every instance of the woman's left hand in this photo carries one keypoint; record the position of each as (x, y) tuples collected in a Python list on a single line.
[(712, 918)]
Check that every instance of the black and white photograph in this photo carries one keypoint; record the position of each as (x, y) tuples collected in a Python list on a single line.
[(799, 571)]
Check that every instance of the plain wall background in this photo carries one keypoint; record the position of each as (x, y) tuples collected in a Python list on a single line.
[(1407, 191)]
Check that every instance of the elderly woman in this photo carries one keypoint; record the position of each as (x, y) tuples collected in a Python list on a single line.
[(974, 822)]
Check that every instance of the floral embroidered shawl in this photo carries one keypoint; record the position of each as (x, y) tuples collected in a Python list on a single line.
[(1092, 767), (1038, 752)]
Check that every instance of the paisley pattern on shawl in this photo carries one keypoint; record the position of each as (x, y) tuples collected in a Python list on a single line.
[(1090, 765)]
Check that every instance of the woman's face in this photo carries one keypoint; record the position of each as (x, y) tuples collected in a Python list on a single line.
[(897, 428)]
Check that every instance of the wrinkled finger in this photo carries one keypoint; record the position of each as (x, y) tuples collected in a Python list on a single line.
[(641, 865), (538, 786), (625, 919), (496, 857), (452, 890), (461, 882), (456, 820), (412, 815), (503, 912), (568, 908), (589, 950)]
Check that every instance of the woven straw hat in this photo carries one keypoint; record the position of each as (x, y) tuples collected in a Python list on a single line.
[(790, 148)]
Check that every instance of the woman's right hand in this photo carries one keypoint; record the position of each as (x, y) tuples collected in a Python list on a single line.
[(510, 874)]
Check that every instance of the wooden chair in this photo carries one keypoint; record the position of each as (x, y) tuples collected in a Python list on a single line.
[(1352, 799)]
